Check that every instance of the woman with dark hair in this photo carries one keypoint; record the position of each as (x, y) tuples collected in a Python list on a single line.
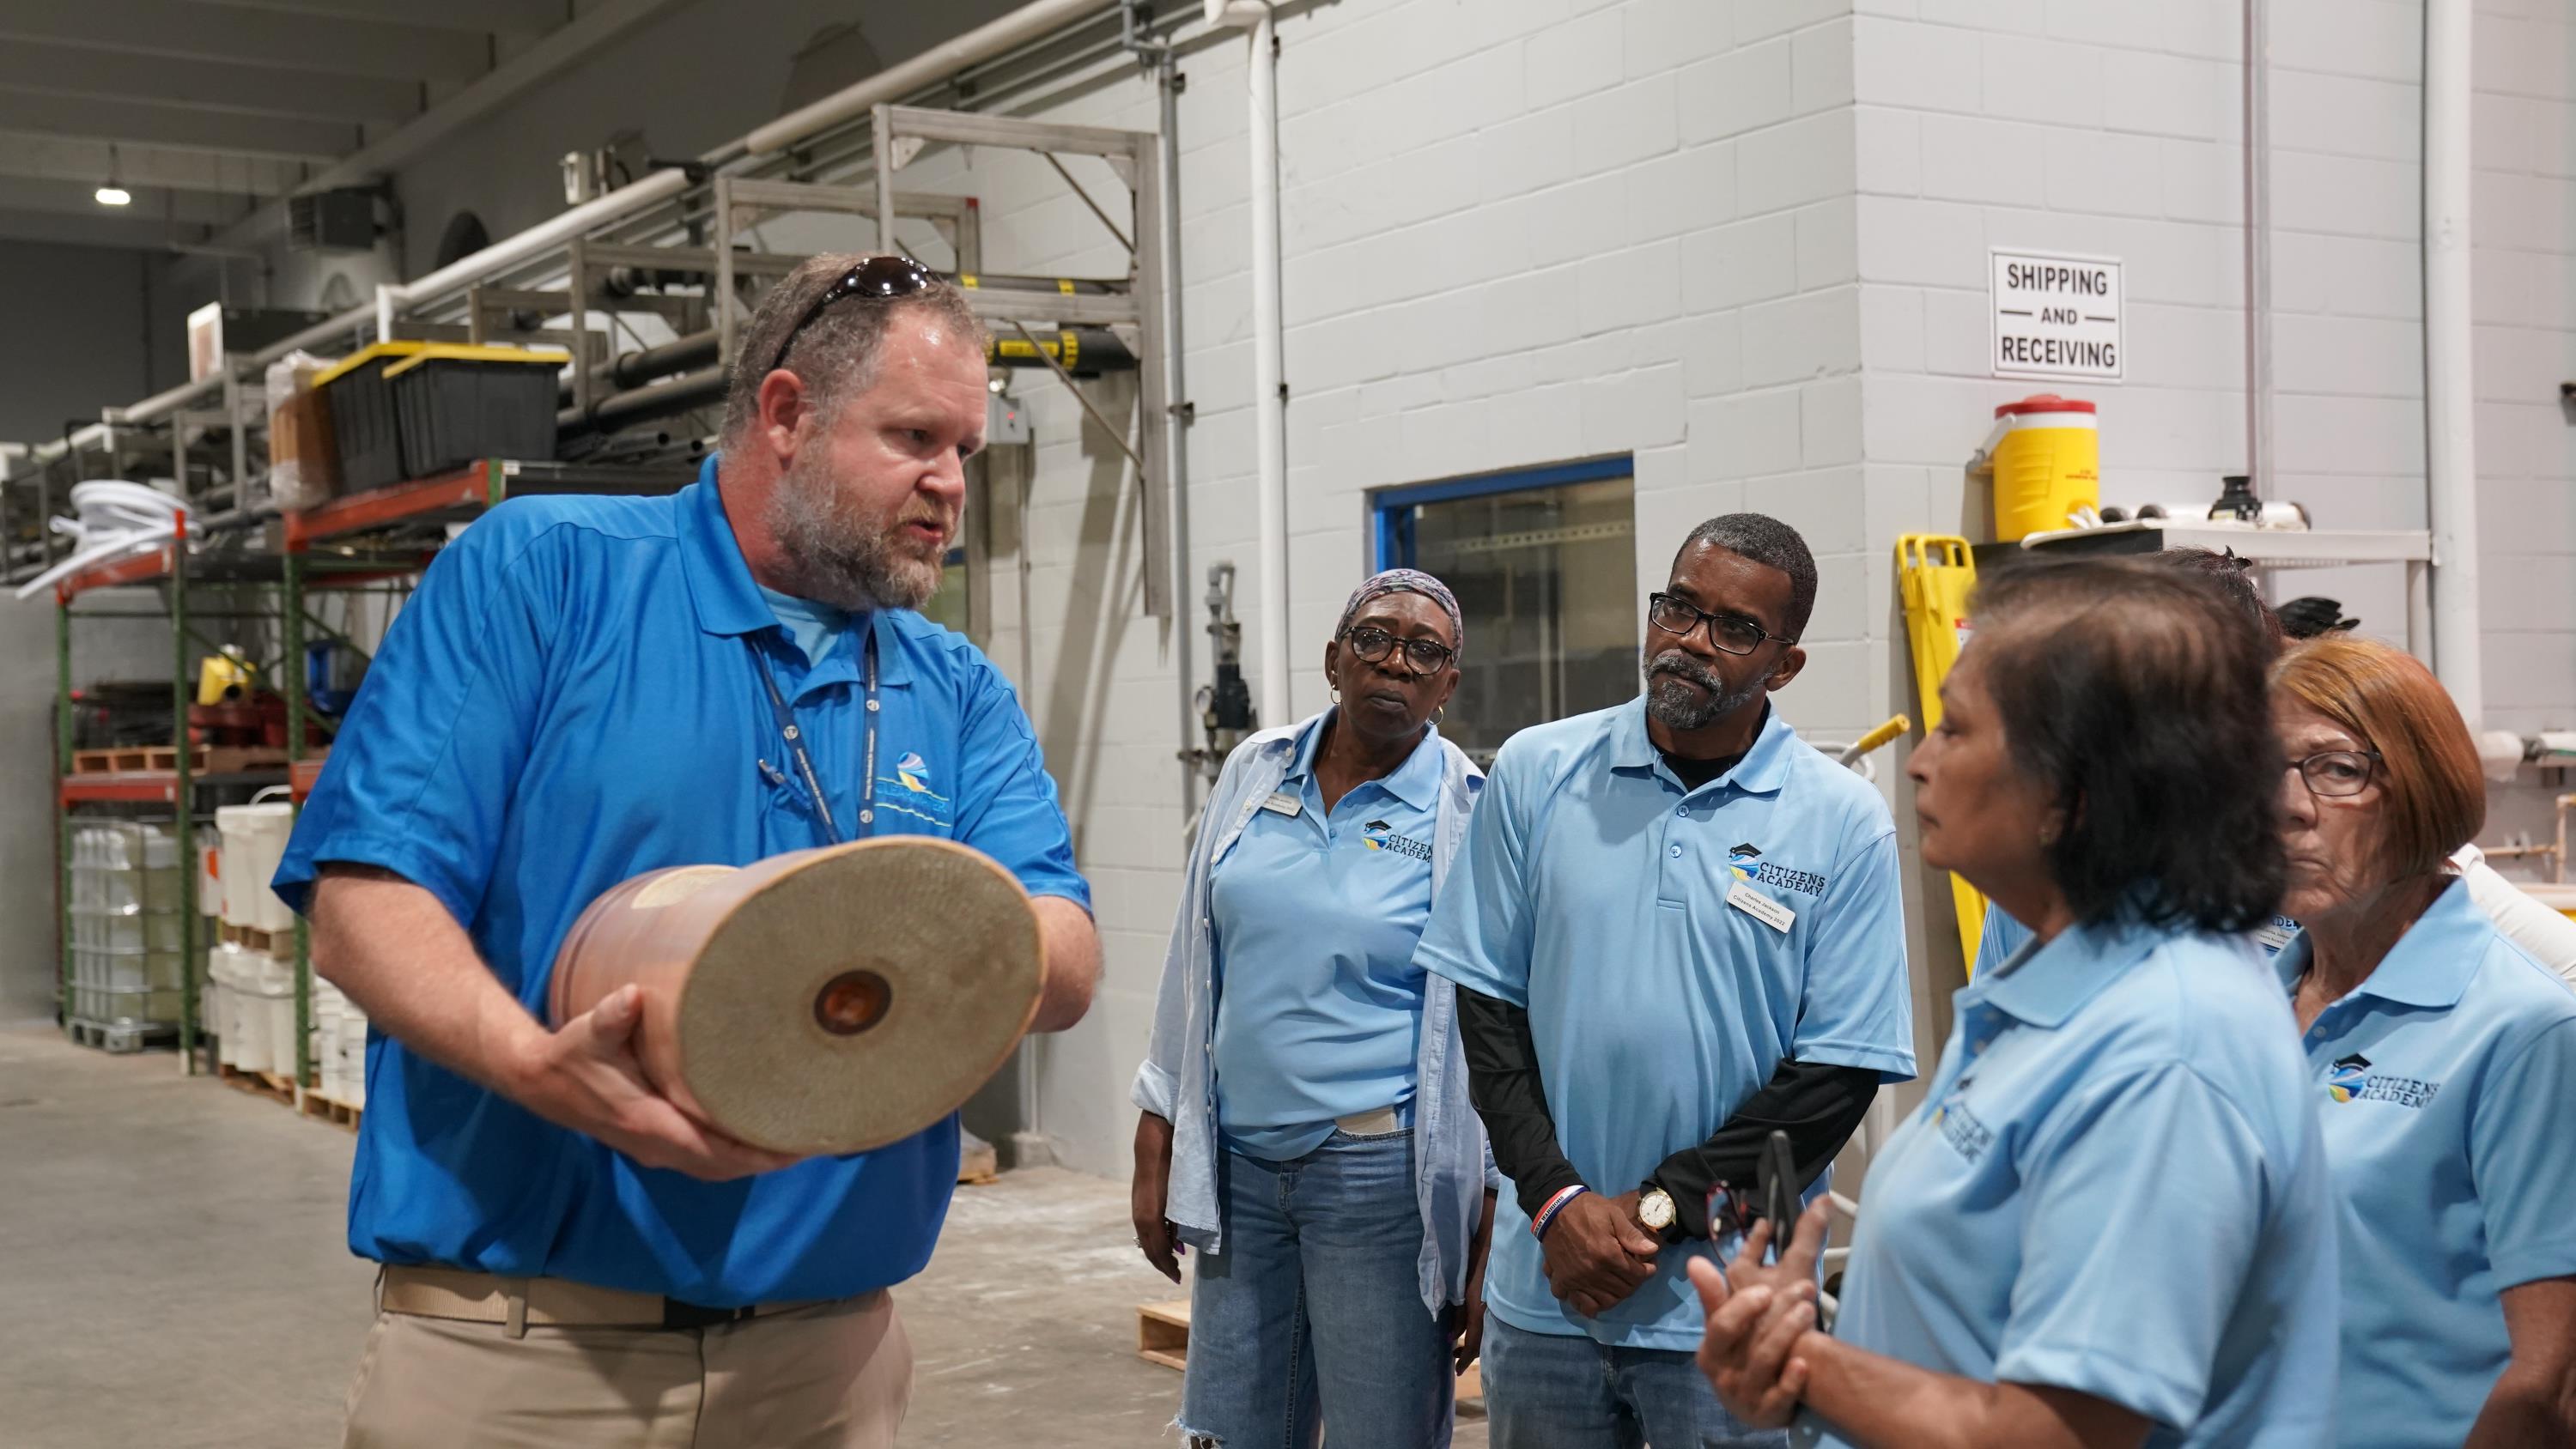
[(2106, 1224), (2443, 1059), (2231, 577), (1304, 1119)]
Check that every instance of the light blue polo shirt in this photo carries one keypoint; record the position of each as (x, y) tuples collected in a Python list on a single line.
[(1315, 917), (2115, 1185), (1595, 892), (2003, 936), (2446, 1082), (570, 699)]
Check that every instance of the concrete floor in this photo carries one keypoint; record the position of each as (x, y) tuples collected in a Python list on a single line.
[(173, 1274)]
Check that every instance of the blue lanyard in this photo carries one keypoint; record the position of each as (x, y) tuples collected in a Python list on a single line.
[(795, 737)]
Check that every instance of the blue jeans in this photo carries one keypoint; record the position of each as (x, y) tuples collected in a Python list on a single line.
[(1555, 1391), (1313, 1309)]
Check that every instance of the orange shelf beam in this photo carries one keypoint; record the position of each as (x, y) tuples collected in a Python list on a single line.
[(131, 787), (141, 569), (476, 486)]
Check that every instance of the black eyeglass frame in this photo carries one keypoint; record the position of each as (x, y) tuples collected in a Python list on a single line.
[(2370, 774), (1700, 617), (1411, 648), (883, 278)]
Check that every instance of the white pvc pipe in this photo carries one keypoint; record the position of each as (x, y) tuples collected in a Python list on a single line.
[(2450, 438), (1029, 22), (2258, 245), (1269, 330)]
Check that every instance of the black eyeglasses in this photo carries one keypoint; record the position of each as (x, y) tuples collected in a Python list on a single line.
[(2336, 774), (1733, 633), (1422, 656), (881, 277)]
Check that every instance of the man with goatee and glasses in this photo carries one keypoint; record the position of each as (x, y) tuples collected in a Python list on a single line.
[(1676, 929)]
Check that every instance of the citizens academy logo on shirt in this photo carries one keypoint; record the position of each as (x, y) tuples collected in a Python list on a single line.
[(1959, 1127), (2350, 1080), (1747, 863), (1382, 836)]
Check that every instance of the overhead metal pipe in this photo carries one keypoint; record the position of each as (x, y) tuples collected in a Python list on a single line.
[(681, 394)]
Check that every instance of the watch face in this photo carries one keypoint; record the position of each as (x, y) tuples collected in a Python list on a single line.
[(1657, 1210)]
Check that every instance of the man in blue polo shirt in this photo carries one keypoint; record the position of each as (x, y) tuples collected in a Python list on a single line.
[(573, 697), (1675, 929)]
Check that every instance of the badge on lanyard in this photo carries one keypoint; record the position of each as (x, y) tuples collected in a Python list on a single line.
[(1761, 907), (1282, 803)]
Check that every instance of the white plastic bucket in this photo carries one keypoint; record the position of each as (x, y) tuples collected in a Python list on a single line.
[(277, 998), (254, 841)]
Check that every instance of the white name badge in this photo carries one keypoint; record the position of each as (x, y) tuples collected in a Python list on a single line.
[(1761, 907), (2275, 933), (1282, 803)]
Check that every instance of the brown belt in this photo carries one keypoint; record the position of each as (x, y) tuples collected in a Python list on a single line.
[(557, 1302)]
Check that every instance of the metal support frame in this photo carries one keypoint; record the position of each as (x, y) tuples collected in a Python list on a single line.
[(740, 201), (898, 135)]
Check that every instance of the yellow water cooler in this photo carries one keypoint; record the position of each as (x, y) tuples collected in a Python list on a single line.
[(2046, 457)]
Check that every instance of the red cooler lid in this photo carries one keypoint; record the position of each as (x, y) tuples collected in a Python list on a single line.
[(2046, 402)]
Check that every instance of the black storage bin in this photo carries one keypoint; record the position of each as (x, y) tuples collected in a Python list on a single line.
[(457, 404), (364, 428)]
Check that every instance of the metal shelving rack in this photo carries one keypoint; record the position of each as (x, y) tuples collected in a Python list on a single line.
[(181, 788), (317, 553)]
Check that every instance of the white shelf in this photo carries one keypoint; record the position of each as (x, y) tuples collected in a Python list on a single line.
[(2270, 547)]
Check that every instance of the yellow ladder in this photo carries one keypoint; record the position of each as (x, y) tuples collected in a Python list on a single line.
[(1934, 576)]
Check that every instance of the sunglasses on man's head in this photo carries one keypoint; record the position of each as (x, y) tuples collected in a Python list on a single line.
[(881, 277)]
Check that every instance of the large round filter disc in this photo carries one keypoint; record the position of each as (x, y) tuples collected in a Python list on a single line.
[(860, 997)]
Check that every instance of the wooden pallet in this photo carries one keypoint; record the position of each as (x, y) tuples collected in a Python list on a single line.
[(252, 938), (979, 1166), (1163, 1337), (1163, 1333), (202, 760), (333, 1110), (119, 1037), (280, 1090)]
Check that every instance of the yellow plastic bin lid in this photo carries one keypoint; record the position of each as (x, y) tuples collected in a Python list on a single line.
[(365, 355), (464, 352)]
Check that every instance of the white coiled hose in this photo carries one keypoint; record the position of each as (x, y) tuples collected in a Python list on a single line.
[(115, 519)]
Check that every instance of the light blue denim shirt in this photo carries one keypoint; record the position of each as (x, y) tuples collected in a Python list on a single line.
[(1452, 1167)]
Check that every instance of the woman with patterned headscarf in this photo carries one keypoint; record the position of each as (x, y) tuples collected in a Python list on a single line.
[(1305, 1120)]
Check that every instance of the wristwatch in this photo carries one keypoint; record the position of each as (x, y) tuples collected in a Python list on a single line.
[(1655, 1208)]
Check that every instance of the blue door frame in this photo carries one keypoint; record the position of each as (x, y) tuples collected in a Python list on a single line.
[(1396, 507)]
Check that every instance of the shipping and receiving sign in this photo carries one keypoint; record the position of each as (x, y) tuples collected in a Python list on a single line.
[(2056, 316)]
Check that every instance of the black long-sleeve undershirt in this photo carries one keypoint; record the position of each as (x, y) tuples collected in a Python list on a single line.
[(1818, 1104)]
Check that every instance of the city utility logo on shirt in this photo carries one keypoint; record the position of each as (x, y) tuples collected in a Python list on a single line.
[(1747, 863), (2350, 1080), (1382, 836), (918, 800)]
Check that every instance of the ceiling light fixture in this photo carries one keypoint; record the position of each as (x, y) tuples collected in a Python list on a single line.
[(112, 194)]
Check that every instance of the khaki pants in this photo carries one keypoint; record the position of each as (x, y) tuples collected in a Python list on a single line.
[(833, 1376)]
